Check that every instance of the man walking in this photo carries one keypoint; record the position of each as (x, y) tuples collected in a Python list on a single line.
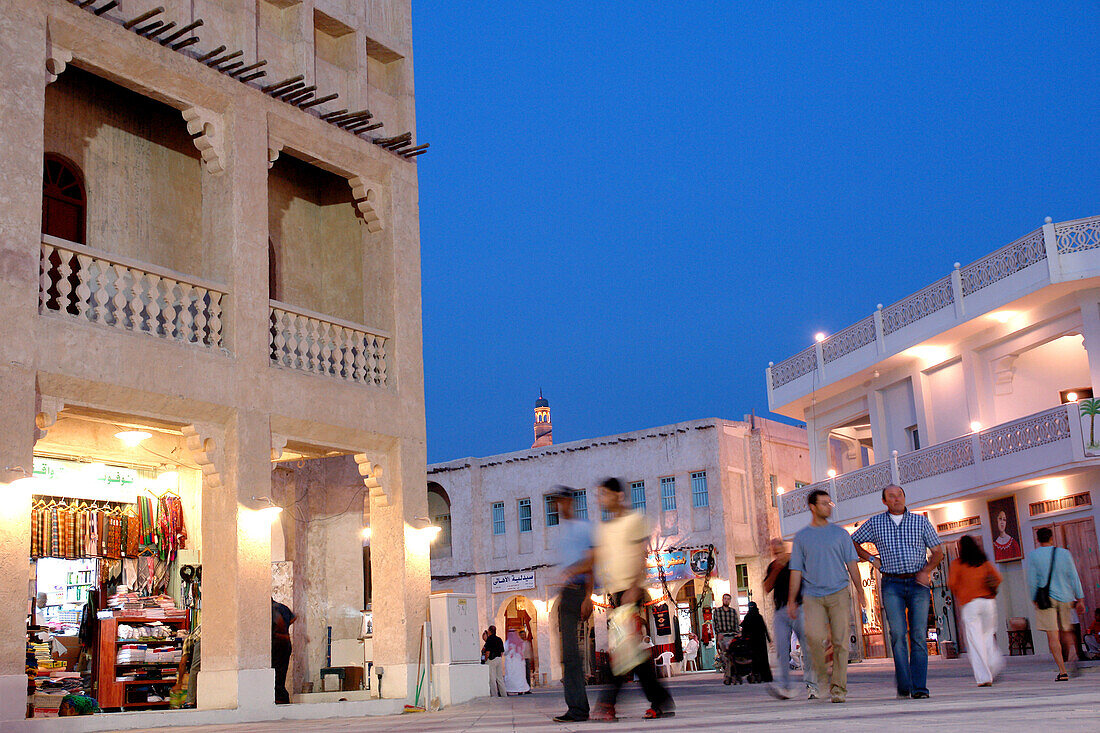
[(822, 561), (493, 651), (1053, 567), (574, 602), (778, 582), (903, 541), (621, 548), (726, 627)]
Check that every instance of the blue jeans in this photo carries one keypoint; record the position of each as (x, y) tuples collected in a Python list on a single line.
[(908, 637), (783, 628)]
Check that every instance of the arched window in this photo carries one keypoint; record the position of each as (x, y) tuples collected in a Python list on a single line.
[(63, 199), (272, 271)]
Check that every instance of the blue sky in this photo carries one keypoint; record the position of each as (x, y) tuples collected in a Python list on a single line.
[(637, 206)]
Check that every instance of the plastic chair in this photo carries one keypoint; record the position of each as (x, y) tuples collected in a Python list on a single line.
[(664, 664), (691, 663)]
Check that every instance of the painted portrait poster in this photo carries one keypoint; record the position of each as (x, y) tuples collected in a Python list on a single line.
[(1005, 527)]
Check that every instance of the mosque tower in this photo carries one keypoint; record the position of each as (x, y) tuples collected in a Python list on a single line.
[(544, 432)]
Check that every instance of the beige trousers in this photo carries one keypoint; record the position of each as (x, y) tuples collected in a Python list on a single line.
[(827, 619)]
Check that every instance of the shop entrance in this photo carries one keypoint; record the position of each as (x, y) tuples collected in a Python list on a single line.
[(521, 637), (872, 618)]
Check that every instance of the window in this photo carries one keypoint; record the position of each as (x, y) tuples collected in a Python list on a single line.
[(743, 575), (914, 437), (637, 495), (699, 496), (742, 572), (551, 511), (799, 484), (524, 515), (668, 493), (498, 517), (605, 516), (63, 199), (442, 545), (580, 504)]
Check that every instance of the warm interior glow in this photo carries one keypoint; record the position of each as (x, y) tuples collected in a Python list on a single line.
[(133, 438), (1002, 316), (927, 353), (954, 511)]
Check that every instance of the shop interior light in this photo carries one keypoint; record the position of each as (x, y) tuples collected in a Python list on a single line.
[(133, 438)]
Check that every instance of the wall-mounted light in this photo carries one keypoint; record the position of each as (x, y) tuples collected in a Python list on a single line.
[(779, 491), (975, 426), (1075, 394), (133, 438), (831, 473), (819, 336), (423, 524), (365, 534), (265, 505)]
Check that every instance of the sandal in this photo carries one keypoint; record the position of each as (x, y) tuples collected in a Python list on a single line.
[(655, 713), (1062, 677)]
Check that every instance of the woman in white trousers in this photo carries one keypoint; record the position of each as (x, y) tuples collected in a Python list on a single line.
[(974, 581)]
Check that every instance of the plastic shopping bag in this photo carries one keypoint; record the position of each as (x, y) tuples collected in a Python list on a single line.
[(624, 632)]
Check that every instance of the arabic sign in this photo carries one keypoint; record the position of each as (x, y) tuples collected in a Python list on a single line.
[(93, 481), (513, 581), (675, 565)]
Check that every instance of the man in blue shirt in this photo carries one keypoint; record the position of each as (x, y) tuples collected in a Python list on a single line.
[(574, 543), (903, 540), (1055, 565), (822, 561)]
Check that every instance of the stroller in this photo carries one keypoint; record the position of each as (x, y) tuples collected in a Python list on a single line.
[(738, 662)]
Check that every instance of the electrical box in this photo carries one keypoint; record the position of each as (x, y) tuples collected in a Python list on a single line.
[(456, 638)]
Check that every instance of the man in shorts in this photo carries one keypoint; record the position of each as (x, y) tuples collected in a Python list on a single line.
[(1055, 565)]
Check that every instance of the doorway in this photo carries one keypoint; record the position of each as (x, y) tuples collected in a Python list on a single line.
[(1079, 537)]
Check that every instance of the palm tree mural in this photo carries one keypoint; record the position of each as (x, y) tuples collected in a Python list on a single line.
[(1090, 407)]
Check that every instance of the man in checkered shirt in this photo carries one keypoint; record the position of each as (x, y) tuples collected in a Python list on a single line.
[(903, 540), (726, 626)]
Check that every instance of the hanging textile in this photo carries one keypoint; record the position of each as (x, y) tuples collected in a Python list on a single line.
[(171, 533), (133, 533), (36, 524), (148, 523), (114, 536)]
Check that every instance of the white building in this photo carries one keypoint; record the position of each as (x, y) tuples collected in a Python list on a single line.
[(975, 395), (705, 485)]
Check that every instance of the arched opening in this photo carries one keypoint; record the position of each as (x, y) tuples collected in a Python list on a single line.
[(272, 271), (519, 619), (439, 509), (64, 212)]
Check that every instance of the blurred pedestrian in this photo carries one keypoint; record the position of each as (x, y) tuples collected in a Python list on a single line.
[(621, 549), (281, 619), (575, 555), (974, 581), (777, 582), (1052, 570), (755, 631), (903, 541), (821, 554)]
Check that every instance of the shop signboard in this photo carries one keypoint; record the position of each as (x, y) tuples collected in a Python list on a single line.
[(513, 581), (675, 566), (92, 481)]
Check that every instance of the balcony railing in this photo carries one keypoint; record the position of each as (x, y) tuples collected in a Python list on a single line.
[(319, 344), (1024, 434), (84, 284), (1034, 248)]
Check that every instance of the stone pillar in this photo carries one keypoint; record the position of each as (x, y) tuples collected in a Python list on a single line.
[(236, 556), (16, 448), (400, 576)]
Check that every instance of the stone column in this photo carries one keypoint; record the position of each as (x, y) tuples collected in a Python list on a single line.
[(236, 576), (16, 448), (400, 576)]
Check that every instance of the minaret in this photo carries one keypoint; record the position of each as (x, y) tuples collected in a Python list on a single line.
[(544, 432)]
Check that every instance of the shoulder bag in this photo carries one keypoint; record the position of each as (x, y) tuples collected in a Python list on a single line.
[(1042, 595)]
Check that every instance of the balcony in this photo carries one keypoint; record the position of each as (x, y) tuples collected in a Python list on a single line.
[(1033, 445), (1050, 254), (318, 344), (83, 284)]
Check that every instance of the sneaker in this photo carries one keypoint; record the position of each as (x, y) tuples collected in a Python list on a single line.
[(778, 692), (920, 695), (568, 718), (903, 695)]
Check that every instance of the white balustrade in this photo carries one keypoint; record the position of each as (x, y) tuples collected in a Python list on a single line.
[(85, 284), (319, 344), (1078, 235), (1022, 253)]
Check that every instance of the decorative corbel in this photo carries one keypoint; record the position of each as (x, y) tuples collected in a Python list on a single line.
[(372, 479), (46, 415), (1004, 369), (366, 203), (205, 450), (274, 147), (278, 445), (56, 60), (206, 132)]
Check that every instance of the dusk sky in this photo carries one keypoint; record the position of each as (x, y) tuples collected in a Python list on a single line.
[(637, 206)]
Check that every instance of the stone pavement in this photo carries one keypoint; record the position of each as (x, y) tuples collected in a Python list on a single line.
[(1026, 697)]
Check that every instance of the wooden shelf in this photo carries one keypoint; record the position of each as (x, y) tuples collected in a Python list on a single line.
[(111, 692), (146, 682), (147, 664)]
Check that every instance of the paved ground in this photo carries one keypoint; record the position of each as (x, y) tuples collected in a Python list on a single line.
[(1025, 698)]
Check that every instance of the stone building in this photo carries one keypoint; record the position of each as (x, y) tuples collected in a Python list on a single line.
[(709, 489), (976, 395), (209, 240)]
